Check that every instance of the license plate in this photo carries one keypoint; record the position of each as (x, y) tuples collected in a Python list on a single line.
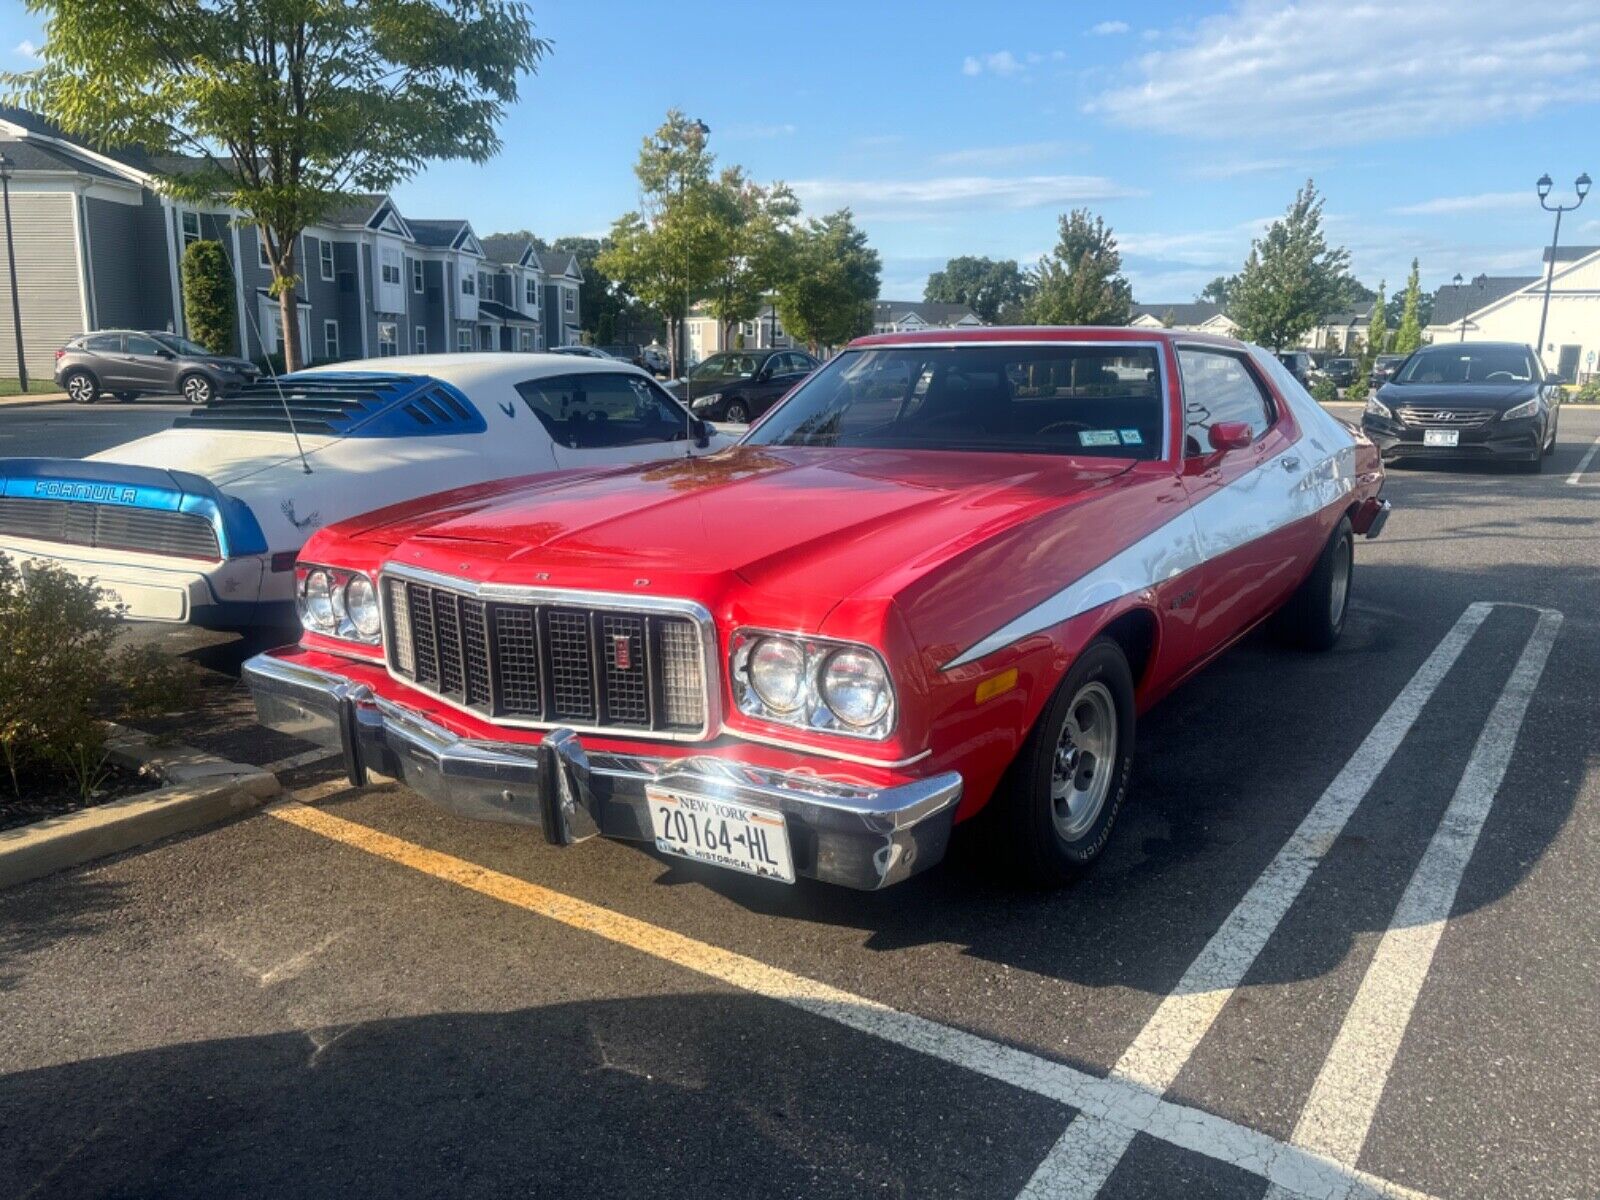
[(722, 833), (1441, 437)]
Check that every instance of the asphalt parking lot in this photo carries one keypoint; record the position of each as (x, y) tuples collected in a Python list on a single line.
[(1345, 943)]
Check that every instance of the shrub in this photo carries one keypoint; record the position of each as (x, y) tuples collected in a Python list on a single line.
[(1359, 386), (208, 296), (61, 672), (1589, 393), (1323, 390)]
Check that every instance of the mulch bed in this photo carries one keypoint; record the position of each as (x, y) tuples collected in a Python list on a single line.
[(45, 795)]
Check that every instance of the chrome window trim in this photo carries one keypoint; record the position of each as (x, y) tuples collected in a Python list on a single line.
[(1100, 344), (577, 598)]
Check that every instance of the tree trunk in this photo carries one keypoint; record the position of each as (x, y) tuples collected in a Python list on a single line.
[(289, 310)]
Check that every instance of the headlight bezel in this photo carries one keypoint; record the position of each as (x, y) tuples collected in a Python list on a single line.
[(813, 713), (1528, 408), (706, 401), (1377, 408), (339, 623)]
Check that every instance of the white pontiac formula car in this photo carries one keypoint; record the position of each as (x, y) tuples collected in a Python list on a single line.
[(201, 522)]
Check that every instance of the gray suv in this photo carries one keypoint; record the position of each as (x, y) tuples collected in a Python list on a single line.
[(127, 363)]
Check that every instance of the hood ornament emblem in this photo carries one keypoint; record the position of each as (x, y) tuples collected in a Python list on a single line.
[(287, 507)]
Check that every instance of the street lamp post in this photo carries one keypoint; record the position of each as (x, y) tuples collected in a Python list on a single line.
[(11, 260), (1581, 186), (1481, 282)]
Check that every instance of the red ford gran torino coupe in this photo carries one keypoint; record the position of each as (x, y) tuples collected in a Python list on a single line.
[(946, 573)]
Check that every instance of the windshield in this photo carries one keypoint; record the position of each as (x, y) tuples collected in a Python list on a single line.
[(182, 345), (725, 366), (1468, 364), (1039, 399)]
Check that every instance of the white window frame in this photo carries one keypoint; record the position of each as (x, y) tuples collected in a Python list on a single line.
[(469, 283), (530, 292), (525, 340), (464, 334), (325, 259), (569, 299), (261, 250), (330, 340), (184, 217), (485, 285), (417, 276), (390, 257), (393, 339), (419, 339)]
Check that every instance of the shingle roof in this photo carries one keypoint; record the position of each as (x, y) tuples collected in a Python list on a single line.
[(1566, 254), (357, 210), (495, 311), (33, 123), (1351, 316), (934, 312), (1193, 312), (497, 247), (1452, 303), (442, 234), (41, 156), (556, 262)]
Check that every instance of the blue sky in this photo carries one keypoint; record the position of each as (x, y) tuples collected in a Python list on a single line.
[(966, 128)]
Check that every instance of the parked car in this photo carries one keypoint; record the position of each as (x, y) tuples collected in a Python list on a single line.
[(741, 385), (128, 363), (654, 359), (200, 523), (944, 575), (1299, 364), (584, 352), (1341, 372), (1482, 400), (1384, 367)]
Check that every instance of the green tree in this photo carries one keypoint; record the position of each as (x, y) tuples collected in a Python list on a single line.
[(208, 296), (1408, 336), (996, 290), (827, 296), (287, 106), (1292, 278), (1378, 327), (604, 306), (1218, 291), (756, 245), (665, 253), (1081, 281)]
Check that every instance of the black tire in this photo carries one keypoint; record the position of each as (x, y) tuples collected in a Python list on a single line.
[(127, 397), (1039, 835), (1534, 465), (1314, 616), (738, 413), (196, 389), (81, 387), (1550, 444)]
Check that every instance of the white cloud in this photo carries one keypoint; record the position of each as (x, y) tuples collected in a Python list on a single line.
[(1325, 72), (1002, 156), (919, 197), (1215, 249), (1109, 28), (1001, 62), (759, 132), (1230, 167), (1482, 202), (27, 49)]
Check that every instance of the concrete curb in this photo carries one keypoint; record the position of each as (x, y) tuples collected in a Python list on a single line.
[(200, 790), (31, 400)]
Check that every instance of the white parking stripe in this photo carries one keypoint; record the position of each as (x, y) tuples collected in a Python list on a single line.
[(300, 760), (1339, 1112), (1084, 1157), (1583, 466)]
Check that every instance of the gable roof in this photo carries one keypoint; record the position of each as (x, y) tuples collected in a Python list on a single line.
[(1452, 304), (931, 312), (1194, 312), (1566, 254), (517, 252), (560, 262), (447, 234), (1350, 316), (29, 128)]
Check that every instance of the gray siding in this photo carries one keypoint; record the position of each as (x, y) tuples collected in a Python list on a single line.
[(47, 282), (116, 290), (323, 295), (151, 271), (348, 307)]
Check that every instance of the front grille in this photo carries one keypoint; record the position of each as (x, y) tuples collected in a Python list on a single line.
[(1428, 417), (549, 663), (110, 527)]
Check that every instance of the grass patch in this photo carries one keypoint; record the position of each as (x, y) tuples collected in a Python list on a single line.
[(41, 387)]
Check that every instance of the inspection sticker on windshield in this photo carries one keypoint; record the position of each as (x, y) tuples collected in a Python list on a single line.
[(1099, 437), (723, 833), (1131, 437)]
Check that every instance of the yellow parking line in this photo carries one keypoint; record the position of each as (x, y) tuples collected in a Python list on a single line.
[(1296, 1171)]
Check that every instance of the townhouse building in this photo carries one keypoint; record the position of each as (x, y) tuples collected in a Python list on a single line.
[(98, 245)]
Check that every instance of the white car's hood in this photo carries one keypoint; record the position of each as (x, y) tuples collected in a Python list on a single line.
[(223, 456)]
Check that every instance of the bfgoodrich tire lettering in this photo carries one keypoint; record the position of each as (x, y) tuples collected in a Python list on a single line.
[(1070, 752)]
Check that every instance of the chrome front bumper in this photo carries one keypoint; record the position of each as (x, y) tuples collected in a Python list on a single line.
[(844, 833)]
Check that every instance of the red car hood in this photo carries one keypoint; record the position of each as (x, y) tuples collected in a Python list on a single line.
[(813, 523)]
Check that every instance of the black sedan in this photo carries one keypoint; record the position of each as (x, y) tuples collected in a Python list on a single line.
[(1474, 400), (1341, 371), (740, 385)]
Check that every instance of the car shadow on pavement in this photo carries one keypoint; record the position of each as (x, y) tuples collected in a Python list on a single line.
[(695, 1094), (34, 918), (1228, 767)]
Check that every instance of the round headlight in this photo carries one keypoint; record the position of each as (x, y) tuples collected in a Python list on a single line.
[(777, 670), (856, 688), (361, 605), (318, 608)]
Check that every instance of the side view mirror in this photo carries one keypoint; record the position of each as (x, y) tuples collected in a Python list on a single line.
[(1230, 435), (702, 432)]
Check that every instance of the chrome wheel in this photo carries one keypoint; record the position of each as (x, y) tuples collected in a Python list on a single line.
[(1085, 761), (80, 389), (196, 389), (738, 414), (1339, 585)]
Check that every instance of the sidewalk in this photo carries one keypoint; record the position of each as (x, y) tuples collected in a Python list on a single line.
[(32, 398)]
